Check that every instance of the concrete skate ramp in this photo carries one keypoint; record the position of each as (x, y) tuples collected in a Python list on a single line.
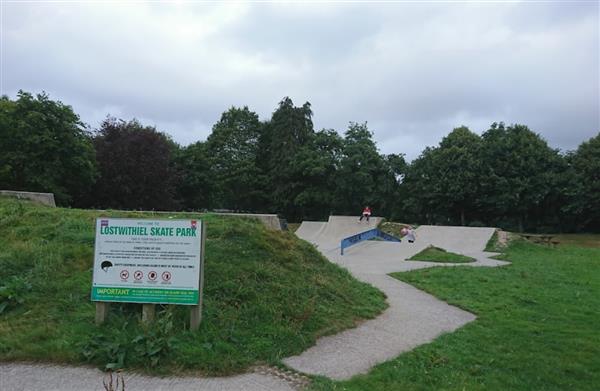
[(310, 230), (469, 241), (340, 227), (462, 240)]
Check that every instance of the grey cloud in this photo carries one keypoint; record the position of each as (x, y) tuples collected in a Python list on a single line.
[(412, 71)]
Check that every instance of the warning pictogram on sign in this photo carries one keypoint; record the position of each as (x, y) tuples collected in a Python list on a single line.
[(152, 275), (138, 275), (166, 276), (124, 274)]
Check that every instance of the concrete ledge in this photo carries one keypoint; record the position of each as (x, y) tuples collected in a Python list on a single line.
[(42, 198), (271, 221)]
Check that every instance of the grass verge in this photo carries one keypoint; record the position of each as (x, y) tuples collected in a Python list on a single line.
[(536, 328), (493, 244), (267, 296), (436, 254)]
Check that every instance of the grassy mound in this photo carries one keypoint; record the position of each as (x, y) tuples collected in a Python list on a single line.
[(267, 296), (436, 254), (394, 229), (536, 327)]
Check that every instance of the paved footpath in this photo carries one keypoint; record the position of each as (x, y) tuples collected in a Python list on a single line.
[(412, 318)]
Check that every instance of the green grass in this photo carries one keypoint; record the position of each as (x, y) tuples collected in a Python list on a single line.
[(267, 296), (436, 254), (493, 244), (537, 327)]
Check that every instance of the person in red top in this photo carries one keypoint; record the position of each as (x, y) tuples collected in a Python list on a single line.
[(365, 213)]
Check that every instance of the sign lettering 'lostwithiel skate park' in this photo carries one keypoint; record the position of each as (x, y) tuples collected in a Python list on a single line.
[(147, 261)]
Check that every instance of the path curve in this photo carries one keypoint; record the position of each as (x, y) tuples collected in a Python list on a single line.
[(413, 317)]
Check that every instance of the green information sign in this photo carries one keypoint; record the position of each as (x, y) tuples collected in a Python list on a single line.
[(147, 261)]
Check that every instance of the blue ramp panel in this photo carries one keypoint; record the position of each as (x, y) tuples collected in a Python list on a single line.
[(370, 234)]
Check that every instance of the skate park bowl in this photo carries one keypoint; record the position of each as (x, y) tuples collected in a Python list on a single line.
[(327, 236)]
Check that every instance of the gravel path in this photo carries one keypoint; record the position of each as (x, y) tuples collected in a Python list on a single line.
[(36, 377), (413, 318)]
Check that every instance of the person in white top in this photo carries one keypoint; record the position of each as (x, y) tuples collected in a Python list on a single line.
[(408, 234)]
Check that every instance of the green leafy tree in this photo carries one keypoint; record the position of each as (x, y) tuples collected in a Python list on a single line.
[(392, 188), (315, 166), (584, 188), (285, 135), (239, 182), (45, 147), (365, 177), (197, 184), (457, 173), (418, 189), (137, 166), (520, 172)]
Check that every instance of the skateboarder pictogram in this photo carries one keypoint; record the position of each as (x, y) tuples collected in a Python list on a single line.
[(124, 274), (138, 275), (166, 276)]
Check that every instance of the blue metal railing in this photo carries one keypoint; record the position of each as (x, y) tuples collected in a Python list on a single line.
[(370, 234)]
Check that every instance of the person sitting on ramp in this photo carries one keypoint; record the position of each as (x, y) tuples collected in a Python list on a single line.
[(365, 213)]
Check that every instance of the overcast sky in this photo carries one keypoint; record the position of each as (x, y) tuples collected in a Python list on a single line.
[(413, 71)]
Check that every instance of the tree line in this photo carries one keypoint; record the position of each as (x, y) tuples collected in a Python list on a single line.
[(508, 176)]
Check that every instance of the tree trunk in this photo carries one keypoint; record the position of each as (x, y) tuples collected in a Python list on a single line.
[(462, 217)]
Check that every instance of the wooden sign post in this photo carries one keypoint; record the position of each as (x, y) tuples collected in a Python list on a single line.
[(196, 310)]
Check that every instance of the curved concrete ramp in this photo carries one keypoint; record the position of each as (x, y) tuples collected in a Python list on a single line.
[(310, 230), (413, 317), (327, 236), (455, 239)]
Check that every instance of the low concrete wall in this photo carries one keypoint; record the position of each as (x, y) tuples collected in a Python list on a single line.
[(271, 221), (42, 198)]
